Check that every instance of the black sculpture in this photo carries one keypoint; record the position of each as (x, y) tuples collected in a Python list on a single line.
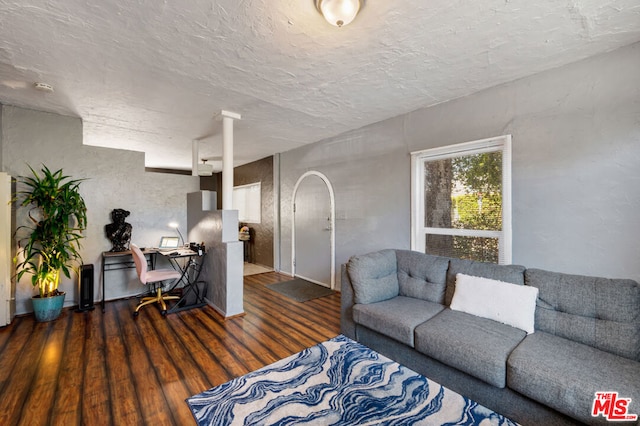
[(119, 232)]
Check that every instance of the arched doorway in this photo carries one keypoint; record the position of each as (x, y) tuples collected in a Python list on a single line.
[(313, 229)]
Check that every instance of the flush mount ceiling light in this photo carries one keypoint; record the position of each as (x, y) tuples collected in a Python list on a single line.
[(43, 87), (338, 12)]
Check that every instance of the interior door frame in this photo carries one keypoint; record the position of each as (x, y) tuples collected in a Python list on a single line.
[(332, 220)]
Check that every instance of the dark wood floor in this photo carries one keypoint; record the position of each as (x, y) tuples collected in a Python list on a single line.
[(94, 368)]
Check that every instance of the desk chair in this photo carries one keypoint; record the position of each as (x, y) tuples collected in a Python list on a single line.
[(155, 279)]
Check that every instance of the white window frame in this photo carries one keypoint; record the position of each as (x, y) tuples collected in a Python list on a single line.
[(418, 158), (247, 199)]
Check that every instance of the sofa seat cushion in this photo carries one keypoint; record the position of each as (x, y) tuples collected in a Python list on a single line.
[(397, 317), (478, 346), (565, 375)]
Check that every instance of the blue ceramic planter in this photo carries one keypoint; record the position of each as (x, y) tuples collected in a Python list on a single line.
[(47, 308)]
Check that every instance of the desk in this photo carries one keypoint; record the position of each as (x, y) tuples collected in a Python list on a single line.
[(193, 290), (117, 260)]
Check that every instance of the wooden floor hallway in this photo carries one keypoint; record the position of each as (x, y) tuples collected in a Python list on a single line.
[(111, 369)]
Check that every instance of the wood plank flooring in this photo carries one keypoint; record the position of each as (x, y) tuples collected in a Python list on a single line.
[(111, 369)]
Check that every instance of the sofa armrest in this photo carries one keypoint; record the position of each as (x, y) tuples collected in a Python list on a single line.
[(347, 325)]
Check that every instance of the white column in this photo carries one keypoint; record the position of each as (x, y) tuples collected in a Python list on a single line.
[(195, 153), (227, 158)]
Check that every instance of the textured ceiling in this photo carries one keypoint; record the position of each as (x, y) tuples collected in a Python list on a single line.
[(151, 75)]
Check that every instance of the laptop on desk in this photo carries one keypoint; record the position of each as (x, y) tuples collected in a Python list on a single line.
[(170, 246), (168, 243)]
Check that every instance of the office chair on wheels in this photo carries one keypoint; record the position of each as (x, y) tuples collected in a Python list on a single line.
[(155, 278)]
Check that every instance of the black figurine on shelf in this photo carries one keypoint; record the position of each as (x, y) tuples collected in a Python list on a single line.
[(119, 232)]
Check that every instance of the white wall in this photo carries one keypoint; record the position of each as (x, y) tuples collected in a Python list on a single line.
[(115, 179), (576, 167)]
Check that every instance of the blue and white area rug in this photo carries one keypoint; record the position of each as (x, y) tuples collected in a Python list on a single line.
[(338, 382)]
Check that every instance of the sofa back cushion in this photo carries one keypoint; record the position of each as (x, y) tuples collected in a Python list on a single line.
[(599, 312), (374, 276), (513, 274), (422, 276)]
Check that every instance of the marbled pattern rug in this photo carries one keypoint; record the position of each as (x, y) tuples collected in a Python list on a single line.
[(337, 382)]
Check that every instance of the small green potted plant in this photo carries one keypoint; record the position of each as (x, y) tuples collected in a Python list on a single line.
[(51, 243)]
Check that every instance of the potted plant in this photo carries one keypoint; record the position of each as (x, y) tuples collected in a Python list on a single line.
[(51, 242)]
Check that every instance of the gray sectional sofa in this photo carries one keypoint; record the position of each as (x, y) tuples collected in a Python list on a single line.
[(586, 338)]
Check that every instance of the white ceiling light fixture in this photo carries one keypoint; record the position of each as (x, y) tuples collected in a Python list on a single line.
[(43, 87), (199, 169), (338, 12), (205, 169)]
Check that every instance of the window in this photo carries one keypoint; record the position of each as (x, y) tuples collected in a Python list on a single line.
[(247, 200), (461, 200)]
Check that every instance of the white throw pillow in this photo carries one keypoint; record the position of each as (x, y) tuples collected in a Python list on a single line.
[(510, 304)]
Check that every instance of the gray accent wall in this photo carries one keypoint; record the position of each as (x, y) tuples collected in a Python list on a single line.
[(262, 234), (116, 179), (576, 167), (261, 246)]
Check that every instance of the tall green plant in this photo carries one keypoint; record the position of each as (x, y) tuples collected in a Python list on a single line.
[(57, 216)]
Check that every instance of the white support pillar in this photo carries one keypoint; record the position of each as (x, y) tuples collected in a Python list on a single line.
[(195, 153), (227, 158)]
